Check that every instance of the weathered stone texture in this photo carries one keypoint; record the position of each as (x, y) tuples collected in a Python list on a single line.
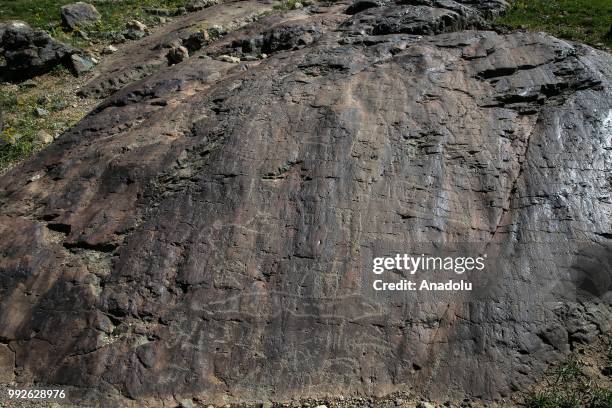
[(209, 230)]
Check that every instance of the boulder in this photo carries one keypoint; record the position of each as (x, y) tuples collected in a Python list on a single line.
[(227, 218), (177, 54), (30, 52), (79, 15), (228, 58)]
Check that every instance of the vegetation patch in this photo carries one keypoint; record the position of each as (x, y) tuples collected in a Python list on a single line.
[(45, 14), (567, 386), (31, 116), (587, 21)]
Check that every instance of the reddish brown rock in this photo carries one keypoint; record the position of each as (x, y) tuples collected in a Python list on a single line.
[(210, 230)]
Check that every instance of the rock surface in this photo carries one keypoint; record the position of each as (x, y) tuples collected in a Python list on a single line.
[(79, 15), (209, 230)]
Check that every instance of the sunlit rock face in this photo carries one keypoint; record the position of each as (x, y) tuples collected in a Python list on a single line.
[(210, 229)]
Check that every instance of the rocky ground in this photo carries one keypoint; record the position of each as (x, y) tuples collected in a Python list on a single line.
[(204, 235)]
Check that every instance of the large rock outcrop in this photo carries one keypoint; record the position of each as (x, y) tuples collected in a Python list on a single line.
[(209, 230)]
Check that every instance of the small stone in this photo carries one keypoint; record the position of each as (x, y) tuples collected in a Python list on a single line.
[(177, 54), (135, 30), (228, 58), (80, 64), (79, 14), (82, 34), (135, 25), (43, 137), (321, 406), (180, 11), (399, 402), (117, 38), (425, 404), (40, 112), (134, 34), (217, 31), (186, 403), (109, 49)]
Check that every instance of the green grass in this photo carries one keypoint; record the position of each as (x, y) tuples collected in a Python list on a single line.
[(587, 21), (45, 14), (20, 123), (567, 387)]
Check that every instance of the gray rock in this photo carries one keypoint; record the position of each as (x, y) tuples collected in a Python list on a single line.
[(196, 5), (135, 30), (30, 52), (79, 14), (81, 64), (43, 137), (228, 58), (186, 403), (132, 34), (136, 25), (117, 38), (177, 54)]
